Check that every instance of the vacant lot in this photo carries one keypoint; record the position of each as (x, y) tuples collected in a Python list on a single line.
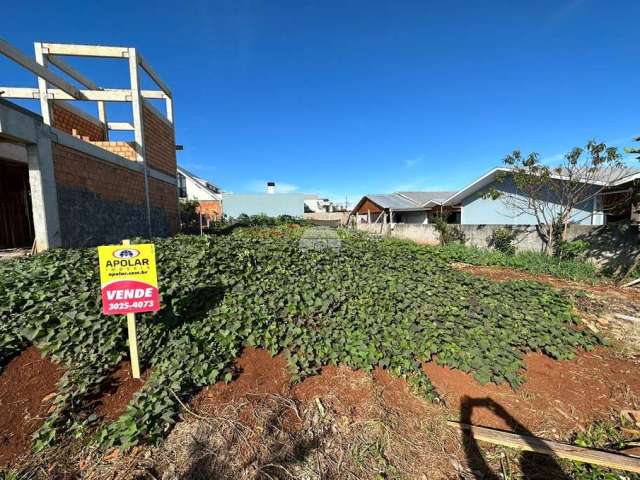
[(343, 363)]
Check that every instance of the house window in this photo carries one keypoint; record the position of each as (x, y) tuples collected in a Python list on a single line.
[(182, 186)]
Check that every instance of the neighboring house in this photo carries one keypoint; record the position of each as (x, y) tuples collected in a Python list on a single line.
[(208, 195), (271, 203), (471, 205), (404, 207), (479, 209), (315, 204), (63, 182)]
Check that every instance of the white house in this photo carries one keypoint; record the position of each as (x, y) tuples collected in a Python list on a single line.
[(208, 195)]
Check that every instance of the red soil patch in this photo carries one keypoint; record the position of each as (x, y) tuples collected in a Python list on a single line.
[(27, 384), (557, 396), (260, 374), (118, 392), (348, 390)]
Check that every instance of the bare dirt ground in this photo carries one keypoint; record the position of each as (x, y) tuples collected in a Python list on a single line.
[(118, 392), (27, 385), (353, 424)]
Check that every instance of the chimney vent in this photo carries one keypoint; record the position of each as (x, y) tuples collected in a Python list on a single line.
[(271, 187)]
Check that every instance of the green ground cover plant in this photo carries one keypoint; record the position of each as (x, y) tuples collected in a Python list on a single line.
[(532, 262), (604, 435), (371, 303)]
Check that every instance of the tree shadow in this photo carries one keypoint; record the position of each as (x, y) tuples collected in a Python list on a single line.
[(614, 247), (534, 466)]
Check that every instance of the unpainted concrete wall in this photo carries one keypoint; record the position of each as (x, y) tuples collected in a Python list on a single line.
[(339, 218), (270, 204), (612, 247)]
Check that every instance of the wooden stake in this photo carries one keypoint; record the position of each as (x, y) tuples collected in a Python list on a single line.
[(548, 447), (632, 283), (133, 345), (133, 340)]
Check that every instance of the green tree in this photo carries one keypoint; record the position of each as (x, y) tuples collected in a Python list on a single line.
[(552, 194), (189, 216)]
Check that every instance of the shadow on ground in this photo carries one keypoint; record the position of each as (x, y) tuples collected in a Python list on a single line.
[(534, 466)]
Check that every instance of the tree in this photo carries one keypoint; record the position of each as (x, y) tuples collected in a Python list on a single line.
[(189, 215), (553, 194)]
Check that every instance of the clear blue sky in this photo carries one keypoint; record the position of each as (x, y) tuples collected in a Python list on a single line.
[(348, 97)]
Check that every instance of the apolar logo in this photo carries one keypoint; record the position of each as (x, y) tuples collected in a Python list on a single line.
[(126, 253), (126, 257)]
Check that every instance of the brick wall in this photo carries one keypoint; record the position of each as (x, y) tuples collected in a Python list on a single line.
[(68, 121), (79, 170), (124, 149), (101, 203), (164, 198), (160, 145)]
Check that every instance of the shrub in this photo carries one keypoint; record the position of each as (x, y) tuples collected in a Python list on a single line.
[(448, 233), (503, 240), (571, 250)]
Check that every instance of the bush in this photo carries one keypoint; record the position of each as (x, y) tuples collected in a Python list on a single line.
[(449, 234), (503, 240), (571, 250)]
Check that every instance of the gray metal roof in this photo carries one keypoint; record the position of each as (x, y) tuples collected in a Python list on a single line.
[(393, 201), (420, 198)]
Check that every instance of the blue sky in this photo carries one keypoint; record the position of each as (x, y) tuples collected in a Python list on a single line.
[(349, 97)]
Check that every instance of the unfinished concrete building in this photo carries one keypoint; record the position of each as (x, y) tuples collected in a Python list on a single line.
[(62, 181)]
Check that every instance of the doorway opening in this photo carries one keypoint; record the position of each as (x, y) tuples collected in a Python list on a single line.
[(16, 218)]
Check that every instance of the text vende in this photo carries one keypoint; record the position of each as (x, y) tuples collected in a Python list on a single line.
[(128, 293)]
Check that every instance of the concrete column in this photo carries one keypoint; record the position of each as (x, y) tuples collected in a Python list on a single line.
[(44, 197)]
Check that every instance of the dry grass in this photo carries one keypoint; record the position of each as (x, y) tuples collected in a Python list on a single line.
[(276, 437)]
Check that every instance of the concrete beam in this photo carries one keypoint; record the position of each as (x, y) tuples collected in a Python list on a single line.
[(20, 58), (154, 76), (17, 124), (85, 50), (72, 72), (158, 175), (16, 152), (106, 95), (120, 126)]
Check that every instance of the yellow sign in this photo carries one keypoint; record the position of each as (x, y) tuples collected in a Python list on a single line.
[(128, 278)]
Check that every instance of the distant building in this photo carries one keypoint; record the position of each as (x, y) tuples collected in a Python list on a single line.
[(473, 206), (405, 207), (208, 195), (271, 203)]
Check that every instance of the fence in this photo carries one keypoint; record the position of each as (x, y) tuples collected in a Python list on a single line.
[(613, 247)]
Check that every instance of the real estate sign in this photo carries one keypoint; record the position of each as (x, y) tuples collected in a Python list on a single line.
[(128, 279)]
